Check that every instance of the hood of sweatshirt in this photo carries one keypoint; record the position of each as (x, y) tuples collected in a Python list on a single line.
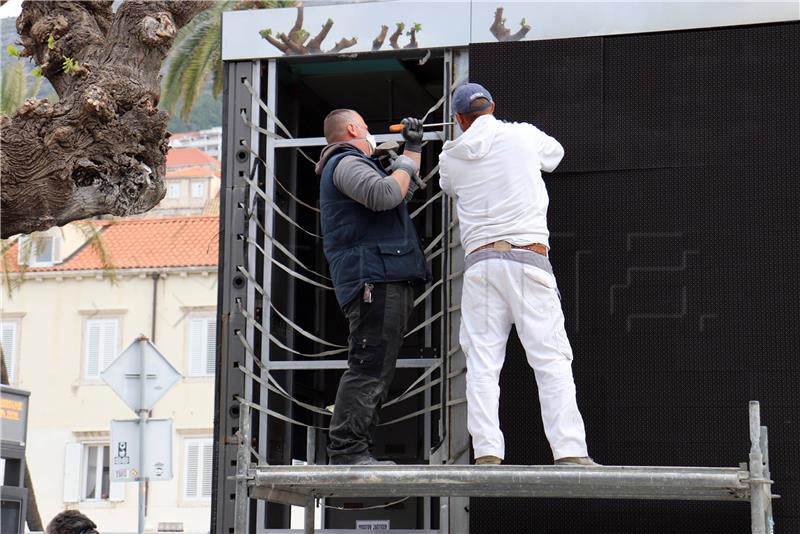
[(476, 142), (329, 151)]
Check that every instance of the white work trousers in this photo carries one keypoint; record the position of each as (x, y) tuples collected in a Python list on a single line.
[(498, 293)]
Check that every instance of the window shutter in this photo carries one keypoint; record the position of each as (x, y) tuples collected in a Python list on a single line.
[(211, 345), (93, 332), (197, 349), (192, 468), (8, 339), (56, 249), (24, 250), (109, 343), (72, 472), (208, 453)]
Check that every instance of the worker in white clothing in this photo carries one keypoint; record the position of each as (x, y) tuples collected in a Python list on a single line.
[(493, 171)]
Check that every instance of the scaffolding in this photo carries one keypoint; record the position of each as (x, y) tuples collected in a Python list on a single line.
[(243, 478), (750, 481)]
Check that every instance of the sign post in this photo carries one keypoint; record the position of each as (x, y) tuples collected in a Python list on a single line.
[(141, 375), (142, 442)]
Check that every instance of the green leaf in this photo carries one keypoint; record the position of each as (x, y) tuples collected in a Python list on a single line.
[(70, 65), (12, 50), (265, 32), (51, 42), (522, 22), (37, 71)]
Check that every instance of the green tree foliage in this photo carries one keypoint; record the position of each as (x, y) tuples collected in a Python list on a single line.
[(196, 54)]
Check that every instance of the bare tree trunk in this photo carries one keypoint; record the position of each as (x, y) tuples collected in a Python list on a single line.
[(100, 149), (32, 516)]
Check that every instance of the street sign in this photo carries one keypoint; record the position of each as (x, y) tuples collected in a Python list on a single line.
[(13, 415), (124, 375), (125, 450)]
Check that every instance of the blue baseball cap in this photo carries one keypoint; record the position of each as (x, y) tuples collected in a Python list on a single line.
[(466, 94)]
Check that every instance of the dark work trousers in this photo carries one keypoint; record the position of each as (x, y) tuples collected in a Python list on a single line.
[(376, 333)]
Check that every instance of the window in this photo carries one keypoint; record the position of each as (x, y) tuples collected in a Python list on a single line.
[(39, 250), (87, 476), (198, 190), (96, 483), (101, 345), (197, 469), (173, 190), (202, 346), (8, 340)]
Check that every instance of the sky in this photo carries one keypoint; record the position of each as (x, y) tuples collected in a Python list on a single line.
[(11, 9)]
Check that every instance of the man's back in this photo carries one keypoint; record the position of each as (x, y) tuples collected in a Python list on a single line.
[(494, 172)]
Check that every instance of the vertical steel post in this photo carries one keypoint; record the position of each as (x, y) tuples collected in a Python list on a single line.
[(308, 521), (757, 487), (142, 423), (241, 514), (267, 222), (764, 445), (454, 514), (232, 292)]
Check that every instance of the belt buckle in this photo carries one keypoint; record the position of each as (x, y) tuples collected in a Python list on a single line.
[(502, 246)]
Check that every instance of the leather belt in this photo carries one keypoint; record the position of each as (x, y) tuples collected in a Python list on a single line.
[(505, 246)]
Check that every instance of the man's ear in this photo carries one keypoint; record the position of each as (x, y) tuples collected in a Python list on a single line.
[(352, 130), (493, 104)]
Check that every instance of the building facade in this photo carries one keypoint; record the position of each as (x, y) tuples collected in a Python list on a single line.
[(209, 141), (192, 182), (69, 317)]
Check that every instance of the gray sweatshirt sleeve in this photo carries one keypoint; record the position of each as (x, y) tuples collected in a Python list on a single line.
[(359, 181)]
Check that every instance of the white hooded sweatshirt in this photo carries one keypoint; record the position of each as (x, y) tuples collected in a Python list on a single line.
[(493, 170)]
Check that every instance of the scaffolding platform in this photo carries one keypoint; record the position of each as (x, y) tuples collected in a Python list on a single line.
[(750, 481)]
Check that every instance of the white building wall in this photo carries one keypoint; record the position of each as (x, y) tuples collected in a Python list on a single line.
[(66, 408)]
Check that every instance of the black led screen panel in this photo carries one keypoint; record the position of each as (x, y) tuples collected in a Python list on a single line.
[(675, 221)]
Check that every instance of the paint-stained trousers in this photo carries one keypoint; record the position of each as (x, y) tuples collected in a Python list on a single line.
[(496, 294)]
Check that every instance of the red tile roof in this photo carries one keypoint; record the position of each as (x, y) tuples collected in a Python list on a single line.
[(144, 244), (192, 172), (190, 156)]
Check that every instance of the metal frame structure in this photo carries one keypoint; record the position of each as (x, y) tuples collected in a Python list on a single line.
[(241, 430), (242, 486)]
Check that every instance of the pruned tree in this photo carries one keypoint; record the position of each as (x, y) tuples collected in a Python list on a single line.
[(396, 35), (377, 43), (501, 33), (412, 33), (101, 148), (294, 42)]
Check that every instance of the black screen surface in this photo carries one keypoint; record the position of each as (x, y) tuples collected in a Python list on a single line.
[(675, 222)]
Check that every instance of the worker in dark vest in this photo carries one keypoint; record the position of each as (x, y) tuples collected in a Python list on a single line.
[(375, 259)]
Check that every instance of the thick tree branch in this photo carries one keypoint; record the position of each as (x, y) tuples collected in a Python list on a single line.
[(498, 27), (100, 149), (296, 34), (377, 43), (342, 44), (396, 35), (314, 46), (293, 47)]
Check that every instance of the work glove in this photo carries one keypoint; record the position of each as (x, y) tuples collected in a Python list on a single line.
[(407, 165), (412, 134)]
